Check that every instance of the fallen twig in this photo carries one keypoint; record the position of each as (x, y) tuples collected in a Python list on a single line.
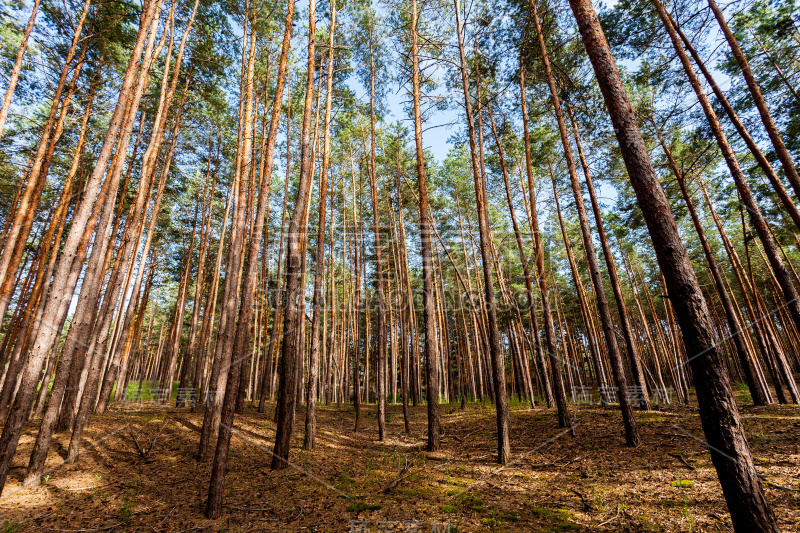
[(145, 454), (680, 457), (462, 438), (298, 515), (612, 518), (587, 504), (553, 462), (162, 520), (675, 435), (775, 485), (391, 486), (104, 528)]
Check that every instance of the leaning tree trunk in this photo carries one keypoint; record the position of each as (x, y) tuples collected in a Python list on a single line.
[(98, 344), (12, 82), (720, 419), (223, 364), (19, 230), (766, 118), (777, 265), (757, 392), (627, 331), (763, 163), (520, 249), (609, 331), (65, 278)]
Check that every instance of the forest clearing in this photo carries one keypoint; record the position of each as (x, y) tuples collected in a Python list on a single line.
[(399, 265)]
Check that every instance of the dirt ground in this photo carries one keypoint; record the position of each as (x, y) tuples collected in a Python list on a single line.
[(555, 482)]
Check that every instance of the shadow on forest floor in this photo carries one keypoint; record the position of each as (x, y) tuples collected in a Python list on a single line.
[(556, 482)]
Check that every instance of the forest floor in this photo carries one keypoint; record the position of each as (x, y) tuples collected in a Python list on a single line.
[(555, 482)]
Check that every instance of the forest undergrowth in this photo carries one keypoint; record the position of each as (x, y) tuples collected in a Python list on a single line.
[(137, 472)]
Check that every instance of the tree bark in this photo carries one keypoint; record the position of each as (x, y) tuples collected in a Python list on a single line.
[(12, 81), (498, 365), (722, 426), (555, 393), (790, 294), (316, 304), (766, 118), (429, 311), (223, 365), (287, 399)]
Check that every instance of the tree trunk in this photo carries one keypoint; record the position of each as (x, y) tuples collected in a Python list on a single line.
[(759, 223), (498, 365), (223, 365), (723, 429), (757, 392), (555, 393), (12, 82), (766, 118), (316, 304), (65, 277), (641, 395), (19, 230), (285, 410), (429, 312)]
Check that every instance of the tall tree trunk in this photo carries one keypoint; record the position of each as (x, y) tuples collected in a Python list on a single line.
[(267, 383), (757, 392), (766, 118), (355, 301), (515, 225), (19, 230), (198, 380), (379, 272), (316, 304), (242, 340), (723, 428), (790, 294), (498, 365), (640, 393), (407, 305), (225, 367), (12, 81), (609, 331), (555, 393), (192, 354), (285, 410), (586, 310), (98, 346), (429, 312), (763, 163), (64, 280)]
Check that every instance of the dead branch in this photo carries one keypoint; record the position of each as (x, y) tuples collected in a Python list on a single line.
[(587, 503), (681, 458), (145, 453), (403, 474)]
